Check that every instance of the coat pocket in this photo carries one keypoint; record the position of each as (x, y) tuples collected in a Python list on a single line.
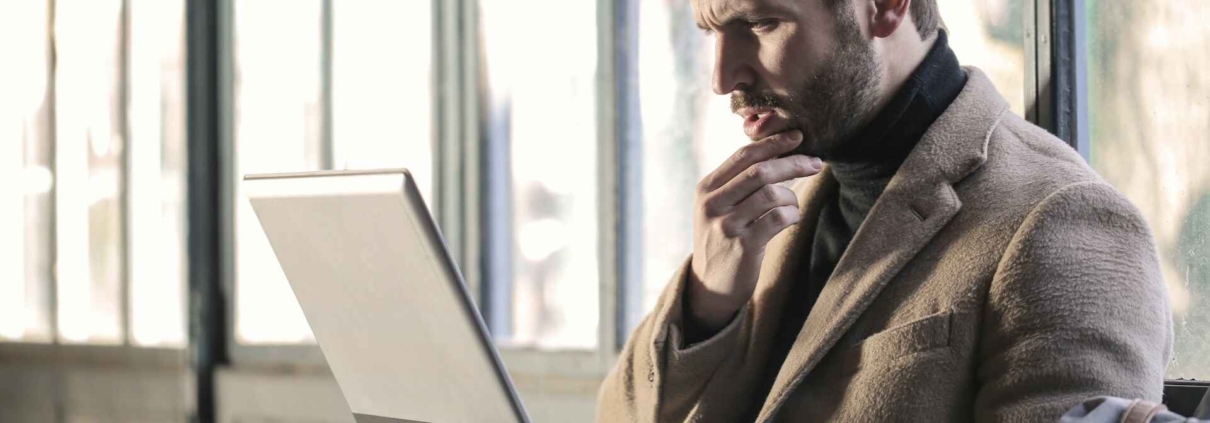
[(920, 335)]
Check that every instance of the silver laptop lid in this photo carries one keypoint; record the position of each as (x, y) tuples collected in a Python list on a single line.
[(386, 303)]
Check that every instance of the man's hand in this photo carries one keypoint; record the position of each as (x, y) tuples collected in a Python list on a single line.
[(738, 209)]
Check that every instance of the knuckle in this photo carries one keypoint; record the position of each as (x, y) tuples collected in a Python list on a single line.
[(727, 229), (759, 172), (770, 193), (709, 205), (742, 154)]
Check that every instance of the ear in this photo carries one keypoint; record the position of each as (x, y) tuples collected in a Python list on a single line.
[(888, 16)]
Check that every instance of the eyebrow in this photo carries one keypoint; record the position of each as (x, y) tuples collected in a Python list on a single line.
[(748, 15)]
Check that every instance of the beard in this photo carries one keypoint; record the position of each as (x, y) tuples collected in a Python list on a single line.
[(830, 106)]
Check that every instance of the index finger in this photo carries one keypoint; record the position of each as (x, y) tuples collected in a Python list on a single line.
[(749, 155)]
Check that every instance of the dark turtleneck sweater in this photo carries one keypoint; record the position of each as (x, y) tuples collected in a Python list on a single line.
[(863, 168)]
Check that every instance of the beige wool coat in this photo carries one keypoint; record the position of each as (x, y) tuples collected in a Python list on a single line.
[(998, 278)]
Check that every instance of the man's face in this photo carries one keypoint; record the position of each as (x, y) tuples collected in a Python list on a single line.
[(793, 64)]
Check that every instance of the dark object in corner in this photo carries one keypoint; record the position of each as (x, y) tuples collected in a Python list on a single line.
[(1203, 410), (1183, 396)]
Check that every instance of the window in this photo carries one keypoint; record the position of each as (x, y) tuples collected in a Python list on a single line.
[(111, 194), (541, 143), (88, 175), (337, 84), (687, 130), (1149, 104), (25, 156), (156, 174), (990, 35), (277, 129)]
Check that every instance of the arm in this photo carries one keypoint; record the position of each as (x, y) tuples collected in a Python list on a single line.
[(656, 379), (1077, 309)]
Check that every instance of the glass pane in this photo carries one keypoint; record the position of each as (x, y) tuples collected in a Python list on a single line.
[(688, 131), (277, 129), (381, 118), (542, 120), (1149, 103), (381, 87), (25, 157), (156, 168), (990, 35), (88, 169)]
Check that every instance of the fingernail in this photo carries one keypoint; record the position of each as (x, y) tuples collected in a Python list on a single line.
[(816, 163), (796, 135)]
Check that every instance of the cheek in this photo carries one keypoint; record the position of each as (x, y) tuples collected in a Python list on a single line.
[(790, 60)]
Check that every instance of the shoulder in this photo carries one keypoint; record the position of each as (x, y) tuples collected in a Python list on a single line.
[(1026, 166)]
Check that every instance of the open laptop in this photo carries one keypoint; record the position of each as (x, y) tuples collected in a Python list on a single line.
[(386, 302)]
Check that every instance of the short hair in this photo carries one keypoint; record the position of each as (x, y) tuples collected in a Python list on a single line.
[(924, 14)]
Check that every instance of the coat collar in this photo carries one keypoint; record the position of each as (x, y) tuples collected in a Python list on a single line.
[(917, 203)]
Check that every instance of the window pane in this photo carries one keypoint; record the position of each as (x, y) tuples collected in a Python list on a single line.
[(25, 157), (277, 129), (381, 88), (688, 130), (542, 123), (381, 102), (156, 168), (88, 169), (1149, 103), (990, 35)]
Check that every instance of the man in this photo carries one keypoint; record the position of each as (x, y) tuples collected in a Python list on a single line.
[(952, 262)]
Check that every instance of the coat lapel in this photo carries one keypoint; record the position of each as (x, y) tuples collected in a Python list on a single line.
[(917, 203)]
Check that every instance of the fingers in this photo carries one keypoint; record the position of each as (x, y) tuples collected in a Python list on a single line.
[(758, 204), (760, 175), (749, 155), (769, 225)]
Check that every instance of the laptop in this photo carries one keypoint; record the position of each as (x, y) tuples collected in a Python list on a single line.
[(385, 301)]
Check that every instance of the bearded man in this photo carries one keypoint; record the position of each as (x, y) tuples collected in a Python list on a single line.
[(938, 258)]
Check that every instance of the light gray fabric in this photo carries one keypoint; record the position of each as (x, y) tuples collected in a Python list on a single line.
[(998, 278), (1115, 410)]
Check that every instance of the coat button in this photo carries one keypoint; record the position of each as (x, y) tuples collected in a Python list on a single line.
[(651, 377)]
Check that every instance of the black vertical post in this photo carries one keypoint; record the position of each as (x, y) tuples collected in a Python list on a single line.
[(630, 170), (1069, 63), (206, 197)]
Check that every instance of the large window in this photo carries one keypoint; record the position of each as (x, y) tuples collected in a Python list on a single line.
[(1149, 104), (93, 150), (541, 215), (25, 163), (335, 84)]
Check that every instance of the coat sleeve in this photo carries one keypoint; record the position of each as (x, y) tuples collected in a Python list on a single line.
[(1077, 309), (655, 379)]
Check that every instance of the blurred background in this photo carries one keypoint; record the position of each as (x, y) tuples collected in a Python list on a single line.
[(557, 142)]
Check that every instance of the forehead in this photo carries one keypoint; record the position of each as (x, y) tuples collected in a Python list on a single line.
[(709, 13)]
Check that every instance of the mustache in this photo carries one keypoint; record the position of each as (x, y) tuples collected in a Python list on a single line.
[(759, 100)]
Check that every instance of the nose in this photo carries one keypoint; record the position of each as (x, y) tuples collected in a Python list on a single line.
[(731, 69)]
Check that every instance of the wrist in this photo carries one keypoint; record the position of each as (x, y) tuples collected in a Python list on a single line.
[(708, 310)]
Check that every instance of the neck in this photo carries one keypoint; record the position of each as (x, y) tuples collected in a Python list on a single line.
[(901, 54)]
